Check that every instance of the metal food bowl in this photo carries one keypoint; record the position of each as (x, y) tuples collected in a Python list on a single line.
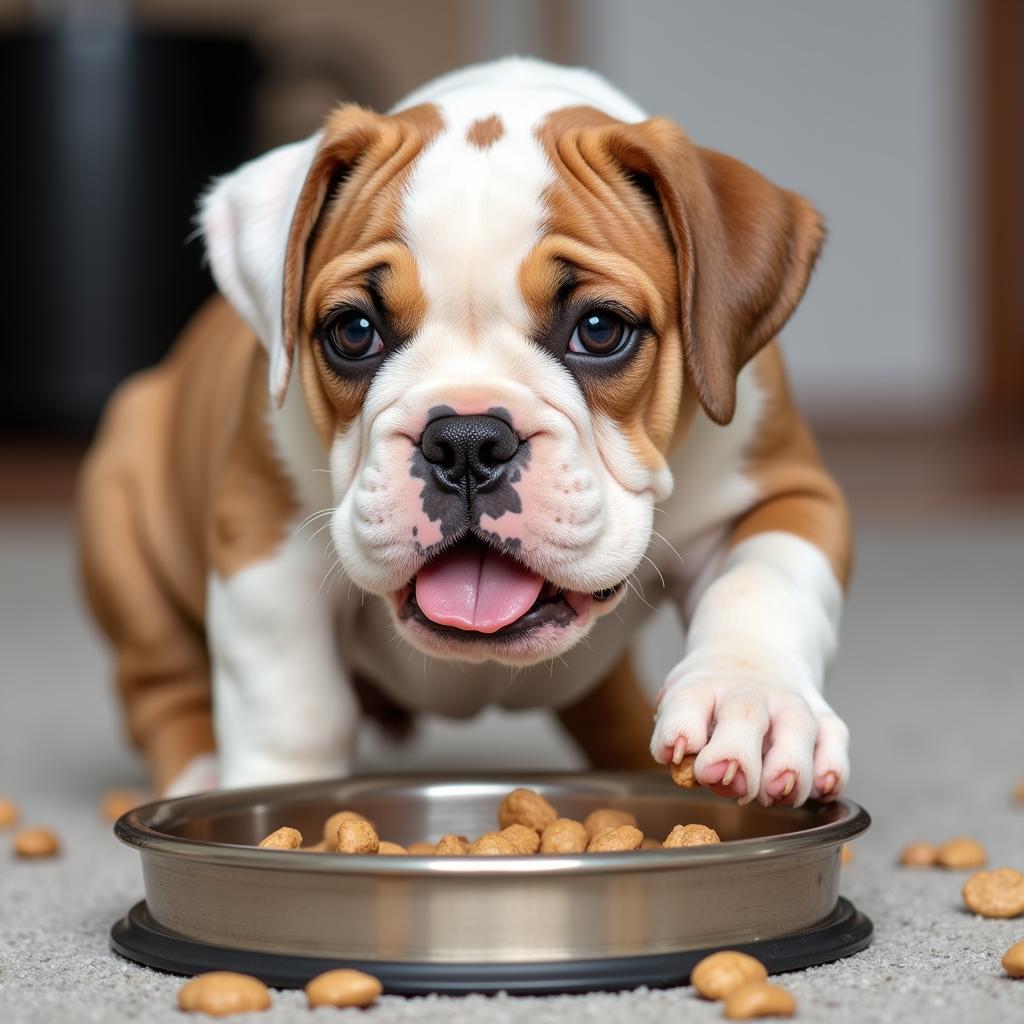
[(546, 923)]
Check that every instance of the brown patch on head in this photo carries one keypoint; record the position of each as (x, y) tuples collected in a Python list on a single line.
[(716, 255), (485, 131), (345, 244)]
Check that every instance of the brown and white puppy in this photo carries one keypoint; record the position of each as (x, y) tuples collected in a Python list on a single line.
[(480, 341)]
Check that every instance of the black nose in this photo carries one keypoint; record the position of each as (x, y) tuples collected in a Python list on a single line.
[(468, 454)]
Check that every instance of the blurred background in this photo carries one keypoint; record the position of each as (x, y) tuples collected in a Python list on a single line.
[(903, 122)]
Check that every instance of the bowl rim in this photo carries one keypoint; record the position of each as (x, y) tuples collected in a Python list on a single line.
[(137, 829)]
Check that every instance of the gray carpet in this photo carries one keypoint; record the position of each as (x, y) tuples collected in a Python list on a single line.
[(929, 681)]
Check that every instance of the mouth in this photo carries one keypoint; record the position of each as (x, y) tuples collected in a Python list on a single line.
[(473, 592)]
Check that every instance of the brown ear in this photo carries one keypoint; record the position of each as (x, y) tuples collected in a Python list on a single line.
[(360, 150), (745, 249), (351, 133)]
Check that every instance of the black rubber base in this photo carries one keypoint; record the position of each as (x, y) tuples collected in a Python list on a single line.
[(139, 938)]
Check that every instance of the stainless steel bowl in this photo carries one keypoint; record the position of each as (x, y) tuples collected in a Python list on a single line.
[(208, 887)]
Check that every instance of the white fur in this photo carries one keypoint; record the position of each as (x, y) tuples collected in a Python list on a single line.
[(760, 641), (283, 711)]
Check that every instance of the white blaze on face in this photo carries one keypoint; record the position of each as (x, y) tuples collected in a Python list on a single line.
[(472, 216)]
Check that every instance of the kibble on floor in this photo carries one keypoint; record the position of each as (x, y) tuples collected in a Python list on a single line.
[(909, 673)]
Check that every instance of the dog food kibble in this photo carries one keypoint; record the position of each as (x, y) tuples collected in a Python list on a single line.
[(343, 988), (1013, 961), (524, 839), (356, 835), (9, 812), (614, 840), (691, 835), (529, 825), (998, 893), (332, 823), (221, 993), (282, 839), (493, 844), (525, 807), (719, 975), (35, 842), (120, 801), (759, 1000), (682, 773), (605, 818), (451, 846), (1019, 792), (919, 855), (962, 852), (564, 836)]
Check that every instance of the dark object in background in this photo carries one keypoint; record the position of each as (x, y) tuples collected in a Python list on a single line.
[(109, 134)]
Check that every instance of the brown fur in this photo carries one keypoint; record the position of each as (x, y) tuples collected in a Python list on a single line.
[(612, 723), (146, 502), (739, 250), (485, 131), (798, 494), (183, 478), (602, 225), (335, 240)]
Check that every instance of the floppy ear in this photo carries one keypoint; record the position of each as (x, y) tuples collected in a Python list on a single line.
[(745, 249), (258, 222), (244, 219)]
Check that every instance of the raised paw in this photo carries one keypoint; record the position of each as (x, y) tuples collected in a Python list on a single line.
[(753, 740)]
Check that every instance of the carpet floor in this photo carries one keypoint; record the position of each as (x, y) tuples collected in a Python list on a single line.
[(929, 680)]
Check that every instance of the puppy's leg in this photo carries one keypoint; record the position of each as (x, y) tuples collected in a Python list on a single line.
[(612, 723), (747, 698), (283, 708), (162, 670)]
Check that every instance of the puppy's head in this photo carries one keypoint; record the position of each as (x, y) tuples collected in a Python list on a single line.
[(495, 324)]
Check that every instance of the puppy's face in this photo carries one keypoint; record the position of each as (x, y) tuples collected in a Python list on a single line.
[(492, 322)]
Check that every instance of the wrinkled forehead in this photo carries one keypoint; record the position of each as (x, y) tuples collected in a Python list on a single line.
[(464, 211), (474, 210)]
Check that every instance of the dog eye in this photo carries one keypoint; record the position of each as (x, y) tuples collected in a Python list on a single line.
[(352, 335), (599, 333)]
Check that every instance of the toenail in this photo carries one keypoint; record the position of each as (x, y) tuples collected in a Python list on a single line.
[(730, 774)]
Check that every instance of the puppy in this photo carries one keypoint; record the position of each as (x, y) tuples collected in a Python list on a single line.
[(477, 345)]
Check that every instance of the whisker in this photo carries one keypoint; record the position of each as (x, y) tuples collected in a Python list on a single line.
[(336, 564), (639, 595), (313, 536), (665, 540), (312, 518), (656, 569)]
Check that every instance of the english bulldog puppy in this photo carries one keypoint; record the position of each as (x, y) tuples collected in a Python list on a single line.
[(509, 353)]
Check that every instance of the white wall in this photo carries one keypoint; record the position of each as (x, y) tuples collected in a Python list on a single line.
[(864, 106)]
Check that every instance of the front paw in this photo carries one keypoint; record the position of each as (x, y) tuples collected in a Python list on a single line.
[(753, 739)]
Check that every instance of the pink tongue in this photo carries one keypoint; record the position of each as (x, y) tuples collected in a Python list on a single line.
[(472, 587)]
